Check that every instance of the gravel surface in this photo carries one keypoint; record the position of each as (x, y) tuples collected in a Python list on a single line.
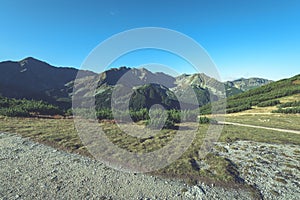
[(273, 168), (29, 170)]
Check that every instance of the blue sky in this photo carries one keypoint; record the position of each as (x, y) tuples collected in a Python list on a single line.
[(257, 38)]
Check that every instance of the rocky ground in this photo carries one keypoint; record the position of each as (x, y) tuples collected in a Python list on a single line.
[(274, 169), (34, 171)]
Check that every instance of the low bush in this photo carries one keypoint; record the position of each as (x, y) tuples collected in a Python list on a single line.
[(294, 110), (289, 104), (268, 103), (206, 120), (158, 123), (14, 112), (25, 108), (104, 114), (239, 108)]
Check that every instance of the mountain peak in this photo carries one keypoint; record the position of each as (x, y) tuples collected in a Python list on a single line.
[(32, 61), (30, 58)]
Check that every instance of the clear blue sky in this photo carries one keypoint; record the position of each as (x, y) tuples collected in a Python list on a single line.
[(245, 38)]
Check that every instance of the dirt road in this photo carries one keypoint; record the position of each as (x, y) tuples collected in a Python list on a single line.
[(261, 127)]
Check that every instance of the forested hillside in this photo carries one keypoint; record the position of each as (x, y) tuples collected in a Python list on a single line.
[(263, 96)]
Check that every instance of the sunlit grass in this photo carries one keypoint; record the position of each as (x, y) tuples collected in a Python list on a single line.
[(59, 133), (233, 133)]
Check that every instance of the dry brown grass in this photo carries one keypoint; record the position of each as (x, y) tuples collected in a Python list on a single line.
[(292, 98), (296, 82)]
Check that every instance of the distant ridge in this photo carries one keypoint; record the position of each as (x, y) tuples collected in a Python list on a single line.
[(245, 84)]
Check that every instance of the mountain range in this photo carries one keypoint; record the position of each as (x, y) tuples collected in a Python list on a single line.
[(34, 79)]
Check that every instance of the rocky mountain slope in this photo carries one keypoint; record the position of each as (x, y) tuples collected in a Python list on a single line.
[(246, 84), (34, 79)]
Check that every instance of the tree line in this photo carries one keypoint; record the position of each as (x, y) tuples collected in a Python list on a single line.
[(26, 108)]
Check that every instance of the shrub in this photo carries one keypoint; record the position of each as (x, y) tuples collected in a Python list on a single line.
[(290, 104), (174, 115), (104, 114), (40, 107), (24, 107), (156, 123), (69, 112), (14, 112), (268, 103), (142, 114), (294, 110), (206, 120), (239, 108), (190, 115)]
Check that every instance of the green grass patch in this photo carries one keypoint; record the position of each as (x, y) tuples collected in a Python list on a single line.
[(233, 133)]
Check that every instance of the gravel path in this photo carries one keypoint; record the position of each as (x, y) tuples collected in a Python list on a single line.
[(261, 127), (34, 171)]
